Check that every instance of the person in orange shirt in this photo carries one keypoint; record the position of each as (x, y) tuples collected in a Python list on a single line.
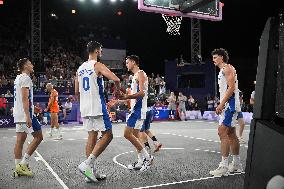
[(53, 108)]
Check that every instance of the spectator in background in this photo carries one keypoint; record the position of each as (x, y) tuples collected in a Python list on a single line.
[(157, 84), (251, 101), (172, 105), (8, 94), (181, 107), (210, 104), (162, 88), (191, 102), (252, 98), (67, 108), (216, 102), (38, 112), (3, 105)]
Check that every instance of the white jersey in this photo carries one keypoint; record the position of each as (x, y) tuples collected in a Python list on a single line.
[(22, 81), (91, 88), (139, 106), (234, 101)]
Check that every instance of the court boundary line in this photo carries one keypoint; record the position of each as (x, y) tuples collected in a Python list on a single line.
[(186, 181), (50, 169)]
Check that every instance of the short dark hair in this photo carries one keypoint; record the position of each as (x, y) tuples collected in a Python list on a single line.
[(221, 52), (21, 63), (92, 46), (134, 58)]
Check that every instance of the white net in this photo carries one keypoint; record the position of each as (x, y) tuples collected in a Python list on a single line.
[(173, 23)]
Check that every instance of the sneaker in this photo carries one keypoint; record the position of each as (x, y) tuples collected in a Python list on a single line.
[(147, 163), (98, 176), (87, 171), (242, 140), (220, 171), (233, 167), (135, 166), (23, 170), (158, 145)]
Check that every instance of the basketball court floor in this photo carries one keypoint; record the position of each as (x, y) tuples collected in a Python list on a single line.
[(190, 150)]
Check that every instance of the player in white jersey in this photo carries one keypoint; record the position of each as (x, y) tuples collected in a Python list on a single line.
[(228, 110), (89, 85), (26, 122), (138, 96)]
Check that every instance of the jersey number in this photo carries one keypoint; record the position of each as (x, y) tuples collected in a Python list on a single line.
[(86, 83)]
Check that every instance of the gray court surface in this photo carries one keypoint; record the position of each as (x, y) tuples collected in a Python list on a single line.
[(190, 150)]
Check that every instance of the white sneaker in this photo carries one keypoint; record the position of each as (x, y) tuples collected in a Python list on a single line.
[(220, 171), (242, 140), (157, 145), (98, 176), (233, 167), (87, 171), (135, 166), (147, 163)]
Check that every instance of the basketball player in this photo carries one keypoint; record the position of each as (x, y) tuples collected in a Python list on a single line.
[(53, 108), (89, 85), (241, 121), (138, 96), (26, 122), (228, 110), (145, 131)]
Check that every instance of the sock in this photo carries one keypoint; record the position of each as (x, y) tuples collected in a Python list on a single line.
[(225, 161), (236, 159), (145, 153), (17, 161), (91, 159), (154, 138), (147, 144), (25, 159), (140, 157)]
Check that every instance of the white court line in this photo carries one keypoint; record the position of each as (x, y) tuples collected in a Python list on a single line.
[(185, 181), (203, 139), (50, 169), (115, 161), (212, 151), (115, 157)]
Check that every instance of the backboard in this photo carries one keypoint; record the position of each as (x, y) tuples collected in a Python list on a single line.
[(211, 11)]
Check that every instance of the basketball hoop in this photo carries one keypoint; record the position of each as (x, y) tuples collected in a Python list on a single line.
[(173, 23)]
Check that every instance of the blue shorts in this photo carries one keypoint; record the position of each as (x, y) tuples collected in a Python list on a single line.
[(229, 116), (147, 121), (240, 115), (134, 121)]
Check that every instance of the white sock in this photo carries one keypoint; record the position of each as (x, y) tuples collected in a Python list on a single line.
[(51, 130), (140, 157), (17, 161), (91, 159), (145, 153), (25, 159), (236, 159), (225, 161)]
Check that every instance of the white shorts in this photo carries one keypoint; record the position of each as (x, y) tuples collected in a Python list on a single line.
[(98, 123), (22, 127)]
